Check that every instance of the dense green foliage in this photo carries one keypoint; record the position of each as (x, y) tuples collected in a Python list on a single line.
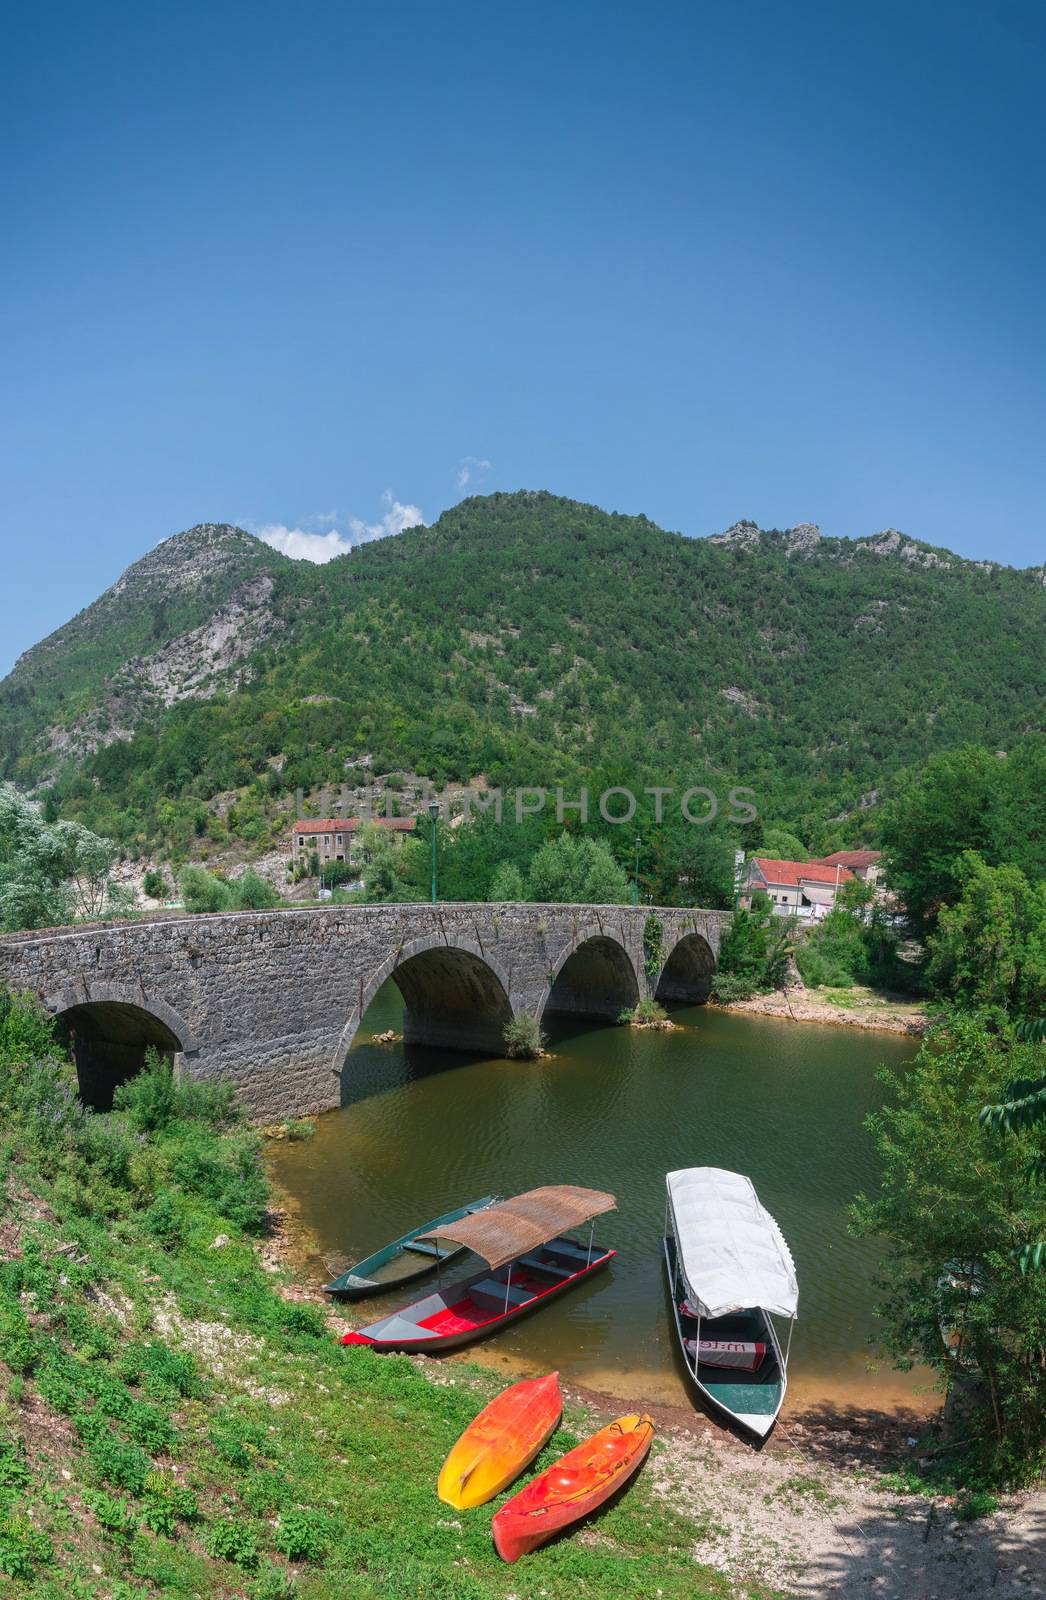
[(51, 872), (754, 952), (539, 641), (174, 1428), (971, 799), (957, 1214)]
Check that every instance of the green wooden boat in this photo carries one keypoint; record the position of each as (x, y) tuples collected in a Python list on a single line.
[(410, 1257)]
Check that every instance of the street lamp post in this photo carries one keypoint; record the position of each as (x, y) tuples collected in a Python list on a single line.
[(433, 815), (635, 875)]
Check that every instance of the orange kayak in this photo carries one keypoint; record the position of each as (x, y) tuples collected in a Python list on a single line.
[(572, 1487), (503, 1439)]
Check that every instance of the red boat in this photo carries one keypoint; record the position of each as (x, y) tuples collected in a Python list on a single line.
[(572, 1487), (530, 1260)]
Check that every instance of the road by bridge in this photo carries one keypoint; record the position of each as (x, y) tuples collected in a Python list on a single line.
[(272, 999)]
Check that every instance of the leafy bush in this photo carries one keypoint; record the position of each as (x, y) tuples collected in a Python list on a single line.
[(524, 1040), (202, 891), (650, 1011), (730, 986), (123, 1465), (274, 1583), (155, 885), (229, 1540), (22, 1547), (507, 883), (754, 952), (251, 892), (17, 1346), (300, 1536), (113, 1516)]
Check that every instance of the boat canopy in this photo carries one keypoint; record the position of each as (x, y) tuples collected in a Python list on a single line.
[(511, 1229), (732, 1252)]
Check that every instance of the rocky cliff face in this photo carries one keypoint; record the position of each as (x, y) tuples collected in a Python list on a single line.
[(175, 625)]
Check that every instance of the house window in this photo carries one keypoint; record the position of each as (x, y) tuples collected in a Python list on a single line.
[(301, 842)]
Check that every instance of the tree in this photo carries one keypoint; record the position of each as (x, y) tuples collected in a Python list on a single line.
[(954, 1209), (49, 872), (782, 845), (753, 954), (938, 812), (1023, 1106), (252, 892), (202, 891), (577, 871), (989, 949), (507, 883), (154, 884)]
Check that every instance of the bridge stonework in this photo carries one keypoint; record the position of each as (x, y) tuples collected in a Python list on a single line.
[(272, 999)]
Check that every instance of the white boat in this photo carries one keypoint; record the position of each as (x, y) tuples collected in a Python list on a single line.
[(730, 1273)]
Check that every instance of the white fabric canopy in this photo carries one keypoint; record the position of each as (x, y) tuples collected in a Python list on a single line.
[(732, 1253)]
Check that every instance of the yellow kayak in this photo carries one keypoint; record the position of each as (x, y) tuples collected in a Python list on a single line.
[(503, 1439)]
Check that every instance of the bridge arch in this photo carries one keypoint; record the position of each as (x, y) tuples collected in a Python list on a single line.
[(110, 1027), (455, 996), (687, 974), (594, 977)]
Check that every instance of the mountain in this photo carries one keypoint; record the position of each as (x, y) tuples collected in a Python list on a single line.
[(531, 639)]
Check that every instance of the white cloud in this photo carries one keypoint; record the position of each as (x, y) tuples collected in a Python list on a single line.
[(473, 467), (397, 519), (301, 544)]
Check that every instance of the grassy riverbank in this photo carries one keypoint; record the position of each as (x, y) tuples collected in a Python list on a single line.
[(175, 1425)]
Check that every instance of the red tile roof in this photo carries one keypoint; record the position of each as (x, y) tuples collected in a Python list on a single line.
[(853, 858), (790, 874), (350, 824)]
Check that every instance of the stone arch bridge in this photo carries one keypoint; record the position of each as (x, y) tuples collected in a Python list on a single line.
[(272, 999)]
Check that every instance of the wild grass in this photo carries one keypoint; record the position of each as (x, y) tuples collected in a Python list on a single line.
[(173, 1426)]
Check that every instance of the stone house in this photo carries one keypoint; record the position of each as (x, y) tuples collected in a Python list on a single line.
[(331, 838)]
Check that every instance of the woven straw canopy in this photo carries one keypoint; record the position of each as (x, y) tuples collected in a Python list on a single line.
[(511, 1229)]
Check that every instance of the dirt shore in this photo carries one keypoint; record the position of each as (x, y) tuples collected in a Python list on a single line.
[(855, 1008)]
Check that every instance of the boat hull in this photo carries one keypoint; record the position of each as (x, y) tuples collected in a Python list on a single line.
[(751, 1407), (451, 1318), (417, 1260), (572, 1487), (502, 1440)]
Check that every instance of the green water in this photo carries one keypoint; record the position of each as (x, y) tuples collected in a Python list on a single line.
[(615, 1109)]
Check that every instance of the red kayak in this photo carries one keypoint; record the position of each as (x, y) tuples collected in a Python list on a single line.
[(572, 1487)]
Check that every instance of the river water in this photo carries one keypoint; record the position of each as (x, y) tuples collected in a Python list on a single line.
[(615, 1108)]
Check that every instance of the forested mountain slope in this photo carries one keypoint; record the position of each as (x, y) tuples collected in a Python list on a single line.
[(535, 640)]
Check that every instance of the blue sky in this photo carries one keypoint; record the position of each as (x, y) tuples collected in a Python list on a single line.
[(311, 267)]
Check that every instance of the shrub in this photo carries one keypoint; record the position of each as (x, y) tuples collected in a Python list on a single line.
[(298, 1128), (507, 883), (252, 892), (22, 1547), (202, 891), (650, 1011), (730, 986), (524, 1040), (154, 1098), (274, 1583), (300, 1536), (228, 1540), (154, 884), (114, 1517), (123, 1465), (17, 1346)]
